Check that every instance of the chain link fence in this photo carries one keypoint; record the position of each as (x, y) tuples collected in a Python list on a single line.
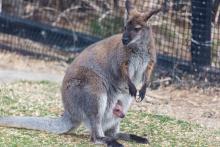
[(187, 35)]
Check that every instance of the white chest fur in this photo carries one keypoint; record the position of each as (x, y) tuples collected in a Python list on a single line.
[(137, 67)]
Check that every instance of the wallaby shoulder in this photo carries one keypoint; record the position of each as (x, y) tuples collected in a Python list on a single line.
[(99, 51), (99, 57)]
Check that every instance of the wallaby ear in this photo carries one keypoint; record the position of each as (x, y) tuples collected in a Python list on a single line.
[(129, 8), (151, 13)]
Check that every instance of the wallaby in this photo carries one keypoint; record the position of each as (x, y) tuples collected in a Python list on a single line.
[(118, 110), (105, 72)]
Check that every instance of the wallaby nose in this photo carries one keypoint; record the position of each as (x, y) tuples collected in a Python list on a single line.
[(125, 40), (122, 115)]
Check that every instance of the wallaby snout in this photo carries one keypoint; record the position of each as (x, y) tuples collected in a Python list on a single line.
[(125, 38)]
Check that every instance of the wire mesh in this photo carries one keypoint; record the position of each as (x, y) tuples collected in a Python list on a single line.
[(92, 20)]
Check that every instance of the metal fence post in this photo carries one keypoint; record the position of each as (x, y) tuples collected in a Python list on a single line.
[(0, 6), (201, 32)]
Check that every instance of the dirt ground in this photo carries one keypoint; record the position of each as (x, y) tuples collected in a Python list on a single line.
[(193, 104), (14, 61)]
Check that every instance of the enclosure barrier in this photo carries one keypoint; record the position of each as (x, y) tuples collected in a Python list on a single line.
[(187, 35)]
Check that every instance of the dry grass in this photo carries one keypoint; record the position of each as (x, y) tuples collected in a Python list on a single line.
[(26, 63)]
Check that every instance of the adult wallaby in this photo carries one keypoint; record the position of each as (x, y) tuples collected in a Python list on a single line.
[(102, 74)]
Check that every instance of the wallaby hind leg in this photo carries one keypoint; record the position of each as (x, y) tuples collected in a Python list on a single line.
[(114, 131), (98, 136), (68, 123), (94, 112)]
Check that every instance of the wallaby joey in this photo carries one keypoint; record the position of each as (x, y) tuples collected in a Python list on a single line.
[(118, 110), (105, 72)]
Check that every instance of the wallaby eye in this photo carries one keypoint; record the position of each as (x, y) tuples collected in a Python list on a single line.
[(137, 28)]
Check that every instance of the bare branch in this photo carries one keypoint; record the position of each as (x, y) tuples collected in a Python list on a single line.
[(63, 15), (103, 16), (92, 5), (168, 79)]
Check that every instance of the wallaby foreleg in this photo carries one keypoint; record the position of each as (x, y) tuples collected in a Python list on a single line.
[(125, 74), (148, 74)]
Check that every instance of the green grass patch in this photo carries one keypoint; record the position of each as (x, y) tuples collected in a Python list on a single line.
[(43, 99)]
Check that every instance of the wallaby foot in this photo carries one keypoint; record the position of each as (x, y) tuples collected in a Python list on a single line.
[(139, 139), (113, 130), (109, 141), (114, 143), (132, 137), (111, 133)]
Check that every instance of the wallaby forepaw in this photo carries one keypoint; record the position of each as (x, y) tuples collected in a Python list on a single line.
[(142, 92), (114, 144), (132, 90), (139, 139)]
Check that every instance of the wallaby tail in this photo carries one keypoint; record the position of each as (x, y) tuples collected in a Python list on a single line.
[(57, 125)]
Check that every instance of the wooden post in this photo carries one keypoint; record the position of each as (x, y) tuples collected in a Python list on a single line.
[(201, 32)]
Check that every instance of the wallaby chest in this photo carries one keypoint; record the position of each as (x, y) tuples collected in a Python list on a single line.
[(137, 66)]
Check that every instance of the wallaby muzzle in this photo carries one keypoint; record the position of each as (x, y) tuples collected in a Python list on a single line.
[(125, 38)]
